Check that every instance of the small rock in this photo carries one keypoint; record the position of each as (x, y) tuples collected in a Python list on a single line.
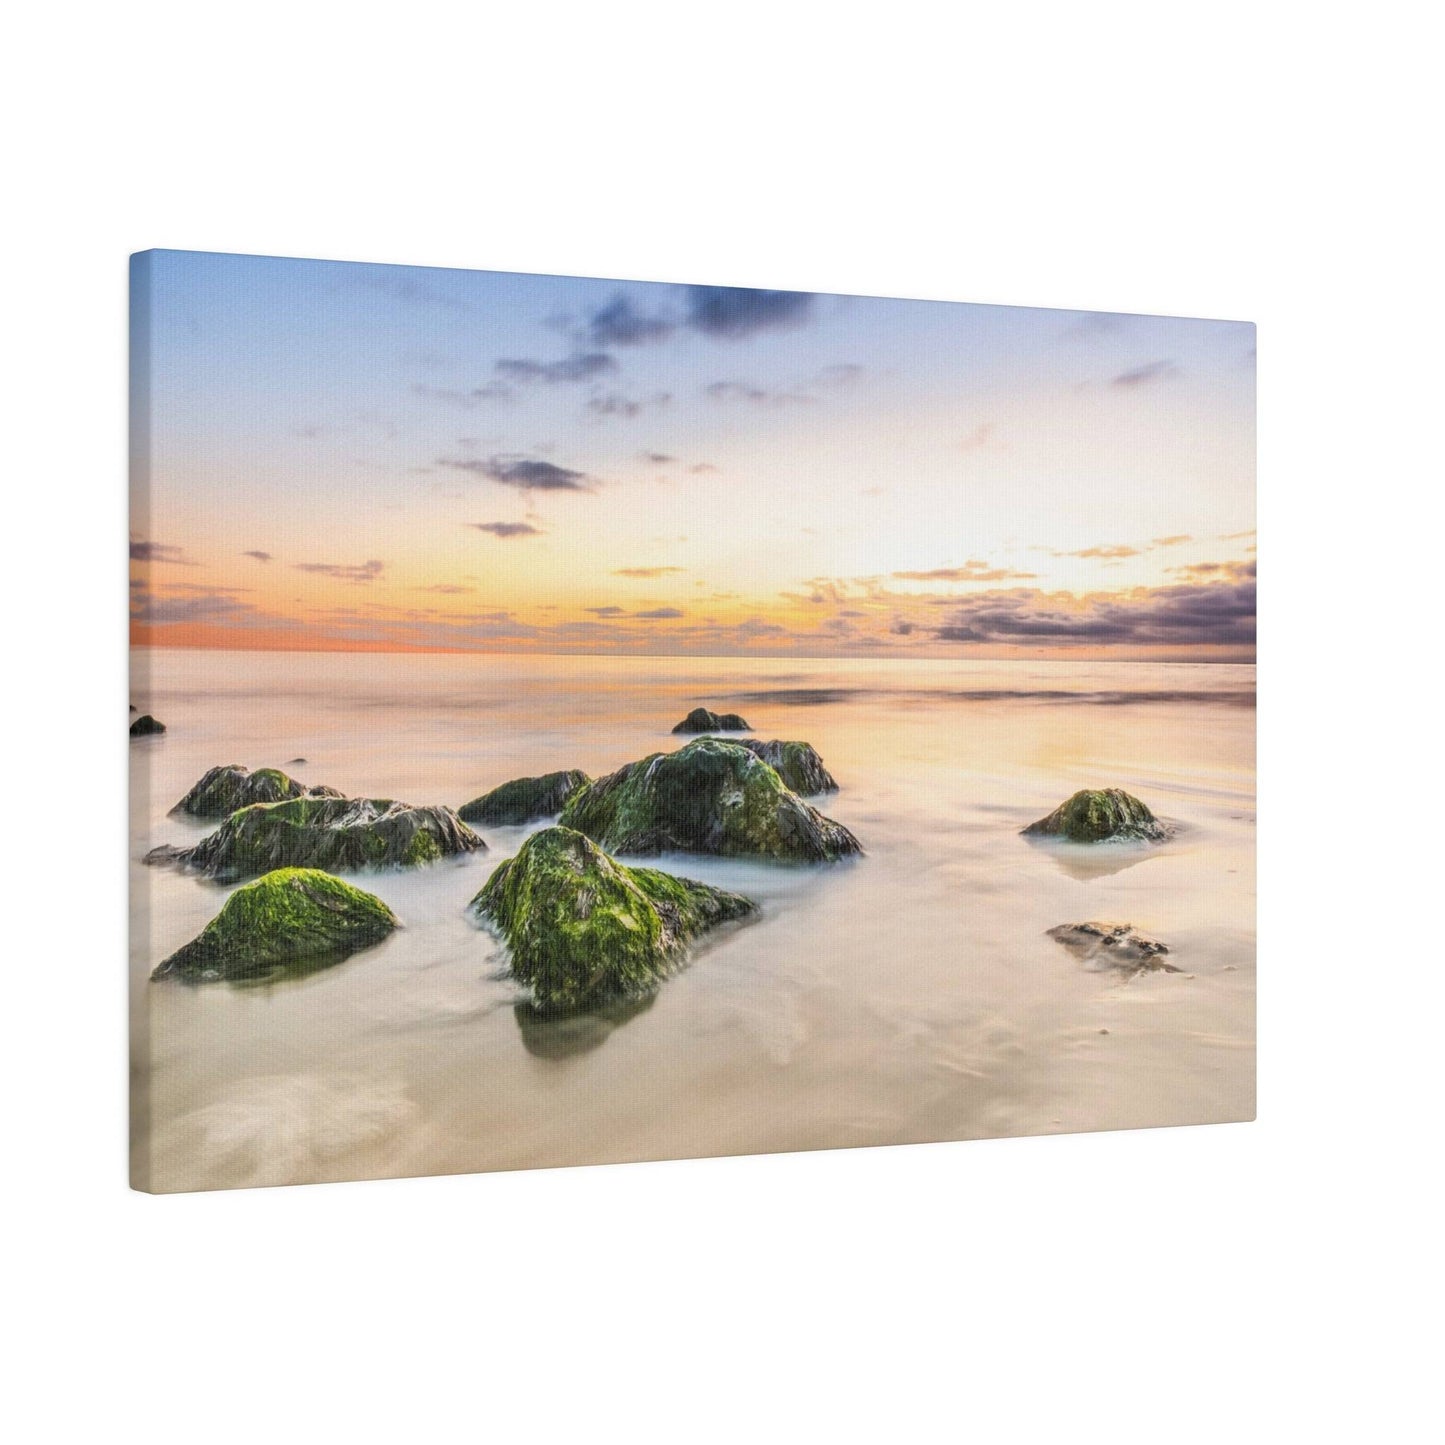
[(146, 726), (1113, 945), (700, 720), (1100, 815)]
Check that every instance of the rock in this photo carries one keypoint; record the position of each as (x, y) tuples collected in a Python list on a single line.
[(711, 796), (797, 764), (584, 930), (146, 726), (222, 790), (700, 720), (1100, 815), (337, 834), (293, 916), (524, 799), (1113, 945), (134, 708)]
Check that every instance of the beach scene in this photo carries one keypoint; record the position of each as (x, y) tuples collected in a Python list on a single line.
[(579, 721)]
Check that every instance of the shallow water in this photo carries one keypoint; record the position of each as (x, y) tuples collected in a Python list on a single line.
[(911, 995)]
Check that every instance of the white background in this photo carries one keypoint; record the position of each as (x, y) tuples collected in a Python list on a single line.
[(1271, 1281)]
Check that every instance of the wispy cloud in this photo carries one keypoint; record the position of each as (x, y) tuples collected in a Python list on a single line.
[(588, 366), (360, 572), (657, 612), (645, 571), (1172, 541), (1151, 371), (620, 323), (619, 404), (159, 552), (524, 473), (259, 556), (507, 529), (974, 571)]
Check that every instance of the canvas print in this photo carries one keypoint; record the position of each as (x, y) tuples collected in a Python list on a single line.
[(581, 721)]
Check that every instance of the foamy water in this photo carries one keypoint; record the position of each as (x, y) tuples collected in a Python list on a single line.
[(911, 995)]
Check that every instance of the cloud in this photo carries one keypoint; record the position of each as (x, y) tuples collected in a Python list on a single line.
[(1172, 541), (1215, 571), (1150, 372), (1095, 323), (259, 556), (619, 323), (661, 612), (1216, 614), (735, 312), (978, 438), (658, 459), (902, 626), (970, 572), (700, 468), (452, 396), (526, 473), (446, 589), (200, 604), (587, 366), (804, 393), (605, 611), (507, 529), (158, 552), (645, 571), (361, 572), (616, 403)]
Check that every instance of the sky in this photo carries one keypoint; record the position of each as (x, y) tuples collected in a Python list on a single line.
[(341, 456)]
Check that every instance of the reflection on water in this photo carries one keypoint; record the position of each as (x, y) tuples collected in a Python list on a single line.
[(912, 995)]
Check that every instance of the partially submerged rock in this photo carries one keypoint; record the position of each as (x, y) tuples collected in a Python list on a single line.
[(290, 917), (146, 726), (711, 796), (222, 790), (1100, 815), (337, 834), (797, 764), (1113, 945), (524, 799), (584, 929), (700, 720)]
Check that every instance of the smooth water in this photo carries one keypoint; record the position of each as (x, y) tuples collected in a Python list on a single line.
[(911, 995)]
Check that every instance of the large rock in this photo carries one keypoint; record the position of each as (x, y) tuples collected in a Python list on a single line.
[(1113, 945), (1100, 815), (337, 834), (524, 799), (700, 720), (708, 797), (145, 726), (797, 764), (291, 917), (584, 930), (222, 790)]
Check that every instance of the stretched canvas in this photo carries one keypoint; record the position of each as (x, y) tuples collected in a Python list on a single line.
[(580, 721)]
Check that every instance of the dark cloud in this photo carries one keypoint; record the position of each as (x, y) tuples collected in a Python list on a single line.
[(361, 572), (158, 552), (585, 367), (259, 556), (605, 611), (619, 323), (507, 529), (734, 312), (1149, 372), (526, 473), (902, 626), (970, 572), (645, 571), (1219, 614), (658, 459), (616, 403), (661, 612), (200, 604)]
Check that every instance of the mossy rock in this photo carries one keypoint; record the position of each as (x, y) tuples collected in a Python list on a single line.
[(700, 720), (291, 918), (524, 799), (338, 834), (797, 764), (1100, 815), (711, 796), (584, 930), (222, 790), (146, 726)]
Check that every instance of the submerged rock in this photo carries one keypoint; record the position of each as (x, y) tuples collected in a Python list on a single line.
[(1113, 945), (583, 929), (524, 799), (145, 726), (1100, 815), (222, 790), (797, 764), (708, 797), (337, 834), (292, 916), (700, 720)]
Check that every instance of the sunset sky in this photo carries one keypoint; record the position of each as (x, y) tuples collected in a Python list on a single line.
[(345, 456)]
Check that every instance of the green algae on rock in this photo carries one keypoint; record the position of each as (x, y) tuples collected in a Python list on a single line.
[(797, 764), (711, 796), (224, 789), (700, 720), (289, 917), (524, 799), (583, 929), (146, 726), (337, 834), (1100, 815)]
